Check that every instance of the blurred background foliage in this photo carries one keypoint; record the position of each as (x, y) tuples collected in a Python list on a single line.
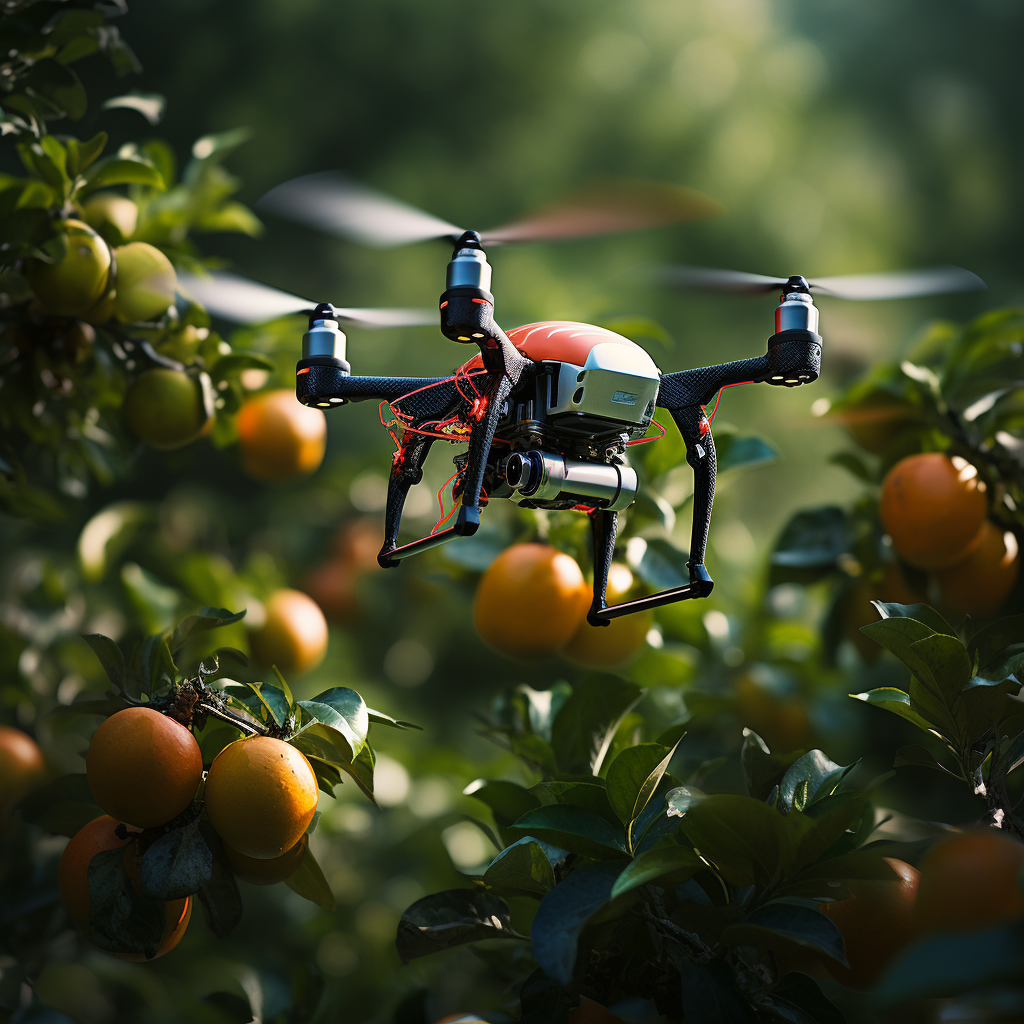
[(842, 138)]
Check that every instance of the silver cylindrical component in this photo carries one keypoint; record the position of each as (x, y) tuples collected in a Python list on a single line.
[(324, 338), (797, 311), (469, 268), (546, 476)]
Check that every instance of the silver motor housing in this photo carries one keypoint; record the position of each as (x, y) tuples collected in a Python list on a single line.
[(546, 476)]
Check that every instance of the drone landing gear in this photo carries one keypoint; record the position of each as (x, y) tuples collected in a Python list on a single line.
[(604, 526)]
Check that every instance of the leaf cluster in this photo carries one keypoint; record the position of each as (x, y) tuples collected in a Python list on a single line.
[(633, 883)]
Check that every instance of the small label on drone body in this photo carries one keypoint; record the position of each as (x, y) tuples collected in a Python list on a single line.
[(624, 398)]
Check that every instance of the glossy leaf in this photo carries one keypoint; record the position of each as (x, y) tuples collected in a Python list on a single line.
[(178, 864), (110, 657), (206, 619), (896, 701), (343, 710), (674, 863), (763, 769), (451, 918), (585, 724), (523, 865), (507, 800), (573, 829), (633, 777), (309, 882), (120, 919), (806, 926)]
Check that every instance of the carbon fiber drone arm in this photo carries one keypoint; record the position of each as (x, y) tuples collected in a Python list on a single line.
[(325, 384)]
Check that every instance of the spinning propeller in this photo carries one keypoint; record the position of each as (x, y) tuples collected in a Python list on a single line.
[(331, 202), (899, 284), (243, 301)]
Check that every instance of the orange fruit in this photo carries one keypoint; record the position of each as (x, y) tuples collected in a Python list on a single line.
[(293, 635), (73, 882), (590, 1011), (74, 283), (166, 408), (934, 509), (876, 922), (781, 722), (982, 582), (530, 601), (21, 764), (357, 542), (618, 642), (332, 586), (971, 880), (279, 437), (267, 872), (143, 767), (261, 795)]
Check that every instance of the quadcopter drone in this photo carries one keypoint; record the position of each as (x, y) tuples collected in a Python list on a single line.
[(549, 409)]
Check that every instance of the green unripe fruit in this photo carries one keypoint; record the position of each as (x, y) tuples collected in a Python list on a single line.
[(166, 408), (74, 283), (113, 216), (146, 282)]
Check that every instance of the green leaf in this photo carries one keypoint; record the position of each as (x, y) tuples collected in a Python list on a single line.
[(110, 658), (118, 171), (919, 757), (896, 701), (676, 862), (149, 104), (152, 666), (741, 836), (585, 724), (207, 619), (573, 829), (379, 718), (564, 912), (120, 919), (83, 154), (998, 649), (507, 800), (178, 864), (237, 362), (659, 563), (276, 702), (524, 865), (221, 900), (326, 743), (734, 451), (806, 926), (361, 770), (814, 540), (632, 779), (948, 965), (452, 918), (763, 769), (349, 717), (922, 613), (309, 882), (819, 777)]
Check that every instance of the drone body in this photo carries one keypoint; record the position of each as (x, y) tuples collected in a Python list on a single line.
[(549, 409)]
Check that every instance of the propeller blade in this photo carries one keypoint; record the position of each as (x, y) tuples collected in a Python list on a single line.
[(719, 280), (609, 209), (900, 284), (240, 300), (331, 202)]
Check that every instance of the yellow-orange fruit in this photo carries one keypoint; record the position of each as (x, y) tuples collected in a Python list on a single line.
[(971, 880), (280, 438), (293, 635), (530, 601), (934, 509), (266, 872), (143, 767), (618, 642), (73, 882), (877, 922), (981, 583), (261, 795), (590, 1011), (21, 764)]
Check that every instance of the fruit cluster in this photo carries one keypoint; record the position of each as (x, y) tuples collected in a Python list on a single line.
[(532, 602)]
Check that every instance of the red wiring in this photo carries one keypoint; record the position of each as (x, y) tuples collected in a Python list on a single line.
[(648, 440), (718, 397)]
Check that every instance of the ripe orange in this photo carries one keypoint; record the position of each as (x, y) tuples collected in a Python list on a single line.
[(267, 872), (358, 541), (590, 1011), (280, 438), (166, 408), (876, 922), (261, 795), (293, 635), (934, 509), (971, 880), (618, 642), (983, 580), (531, 601), (21, 764), (781, 722), (73, 882), (332, 586), (74, 284), (143, 767)]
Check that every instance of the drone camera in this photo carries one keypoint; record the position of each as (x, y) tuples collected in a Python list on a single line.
[(541, 477)]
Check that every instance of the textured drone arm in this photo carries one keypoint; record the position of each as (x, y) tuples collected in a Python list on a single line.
[(406, 470), (326, 385)]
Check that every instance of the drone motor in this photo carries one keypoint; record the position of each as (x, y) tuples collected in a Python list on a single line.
[(467, 304)]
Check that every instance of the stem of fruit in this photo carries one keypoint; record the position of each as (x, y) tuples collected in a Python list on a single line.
[(242, 724)]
